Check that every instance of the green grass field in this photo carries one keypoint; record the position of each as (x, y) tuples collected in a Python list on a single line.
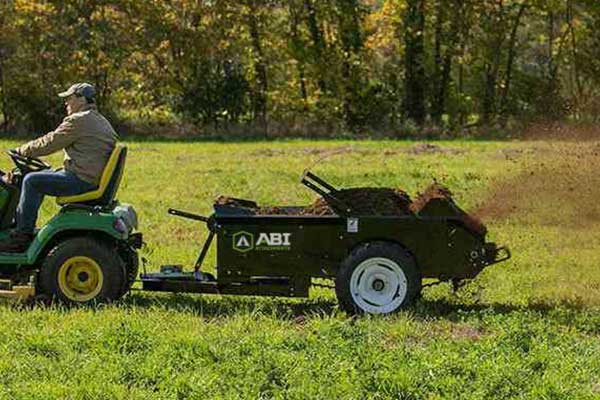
[(525, 329)]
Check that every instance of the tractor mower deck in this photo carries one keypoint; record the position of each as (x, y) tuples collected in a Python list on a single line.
[(377, 262)]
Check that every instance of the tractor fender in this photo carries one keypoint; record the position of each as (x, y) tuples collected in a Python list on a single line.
[(74, 223)]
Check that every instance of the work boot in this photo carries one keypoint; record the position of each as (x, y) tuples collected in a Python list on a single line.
[(17, 242)]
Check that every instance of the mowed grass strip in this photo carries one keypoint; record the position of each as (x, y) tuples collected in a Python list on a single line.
[(528, 328)]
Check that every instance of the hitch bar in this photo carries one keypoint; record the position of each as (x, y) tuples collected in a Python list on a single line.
[(209, 239), (185, 214)]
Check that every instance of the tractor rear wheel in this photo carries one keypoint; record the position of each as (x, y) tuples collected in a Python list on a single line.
[(377, 278), (82, 271)]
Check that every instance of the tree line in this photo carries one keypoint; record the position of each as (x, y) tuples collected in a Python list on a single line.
[(302, 66)]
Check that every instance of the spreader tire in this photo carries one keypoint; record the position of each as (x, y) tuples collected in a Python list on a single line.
[(82, 271), (377, 278)]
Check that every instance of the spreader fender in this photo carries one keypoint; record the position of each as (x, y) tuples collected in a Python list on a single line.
[(440, 251), (383, 239)]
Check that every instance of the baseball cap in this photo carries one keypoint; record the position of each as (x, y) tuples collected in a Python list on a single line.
[(80, 89)]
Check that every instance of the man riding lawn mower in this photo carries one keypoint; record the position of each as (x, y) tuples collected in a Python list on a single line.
[(73, 256)]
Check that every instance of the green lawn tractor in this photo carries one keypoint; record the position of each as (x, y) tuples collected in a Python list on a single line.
[(86, 253)]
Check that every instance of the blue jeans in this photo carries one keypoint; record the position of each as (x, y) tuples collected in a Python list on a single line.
[(36, 185)]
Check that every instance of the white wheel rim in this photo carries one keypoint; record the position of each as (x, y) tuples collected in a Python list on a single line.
[(378, 285)]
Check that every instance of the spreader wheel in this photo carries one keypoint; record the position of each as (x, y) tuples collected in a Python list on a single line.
[(82, 270), (377, 278)]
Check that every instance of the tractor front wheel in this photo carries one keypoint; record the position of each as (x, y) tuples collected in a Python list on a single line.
[(377, 278), (82, 271)]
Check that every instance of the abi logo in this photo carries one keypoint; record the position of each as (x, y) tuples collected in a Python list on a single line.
[(243, 241), (273, 241)]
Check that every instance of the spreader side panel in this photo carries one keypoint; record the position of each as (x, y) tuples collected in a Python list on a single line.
[(315, 247)]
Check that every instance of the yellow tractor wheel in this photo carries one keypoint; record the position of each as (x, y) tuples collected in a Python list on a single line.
[(80, 278)]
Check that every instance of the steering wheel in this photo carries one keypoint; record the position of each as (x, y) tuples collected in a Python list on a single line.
[(27, 164)]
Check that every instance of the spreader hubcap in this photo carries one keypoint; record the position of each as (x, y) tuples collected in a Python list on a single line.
[(80, 278), (378, 285)]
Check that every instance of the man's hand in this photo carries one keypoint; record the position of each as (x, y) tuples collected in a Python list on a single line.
[(8, 178)]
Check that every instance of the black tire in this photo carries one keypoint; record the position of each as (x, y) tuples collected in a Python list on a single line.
[(132, 268), (394, 274), (105, 273)]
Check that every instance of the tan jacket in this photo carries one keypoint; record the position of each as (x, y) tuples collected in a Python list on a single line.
[(87, 139)]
